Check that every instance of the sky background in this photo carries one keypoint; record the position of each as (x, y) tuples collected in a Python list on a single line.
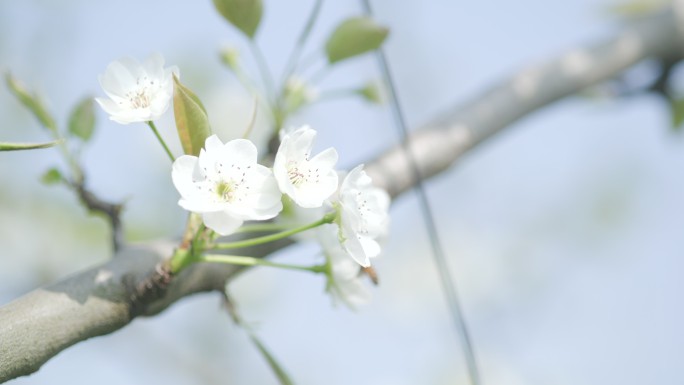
[(564, 234)]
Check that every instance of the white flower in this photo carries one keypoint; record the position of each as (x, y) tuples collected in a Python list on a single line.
[(137, 92), (226, 185), (363, 216), (308, 181), (344, 277)]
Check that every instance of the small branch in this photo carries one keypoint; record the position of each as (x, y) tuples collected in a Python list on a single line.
[(275, 366), (96, 205), (660, 85)]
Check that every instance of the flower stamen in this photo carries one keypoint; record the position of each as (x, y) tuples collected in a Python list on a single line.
[(225, 190), (296, 177)]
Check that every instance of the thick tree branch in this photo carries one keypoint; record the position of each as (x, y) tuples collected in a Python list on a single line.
[(441, 142), (44, 322)]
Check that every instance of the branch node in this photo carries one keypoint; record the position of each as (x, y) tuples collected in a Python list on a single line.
[(150, 289)]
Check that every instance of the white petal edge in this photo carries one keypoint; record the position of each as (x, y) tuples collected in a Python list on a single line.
[(221, 222)]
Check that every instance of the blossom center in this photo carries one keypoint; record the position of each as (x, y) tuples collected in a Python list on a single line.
[(140, 97), (225, 190), (299, 174)]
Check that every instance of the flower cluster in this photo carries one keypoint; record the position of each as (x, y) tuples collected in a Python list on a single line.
[(227, 186)]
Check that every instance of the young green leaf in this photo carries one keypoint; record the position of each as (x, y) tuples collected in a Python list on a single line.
[(245, 15), (637, 8), (32, 102), (52, 176), (373, 92), (354, 36), (191, 119), (82, 119), (677, 113), (5, 146)]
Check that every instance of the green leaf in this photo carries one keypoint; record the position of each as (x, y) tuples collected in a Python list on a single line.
[(245, 15), (373, 92), (637, 8), (5, 146), (191, 119), (32, 102), (353, 37), (82, 119), (677, 113), (52, 176)]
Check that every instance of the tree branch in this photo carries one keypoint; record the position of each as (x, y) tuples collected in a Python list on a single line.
[(98, 301), (97, 205), (440, 143)]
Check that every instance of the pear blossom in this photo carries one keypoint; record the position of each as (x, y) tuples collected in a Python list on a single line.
[(309, 181), (363, 216), (137, 92), (226, 185), (344, 276)]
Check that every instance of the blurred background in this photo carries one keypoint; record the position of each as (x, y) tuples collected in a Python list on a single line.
[(564, 234)]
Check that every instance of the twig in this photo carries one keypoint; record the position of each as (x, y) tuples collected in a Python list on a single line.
[(96, 205)]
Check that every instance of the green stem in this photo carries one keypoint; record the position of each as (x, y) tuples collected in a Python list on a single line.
[(297, 51), (252, 121), (328, 218), (181, 259), (263, 227), (156, 133), (263, 69), (308, 61), (76, 171), (272, 99), (249, 85), (246, 81), (251, 261)]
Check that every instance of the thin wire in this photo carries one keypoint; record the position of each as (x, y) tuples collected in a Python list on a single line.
[(448, 284)]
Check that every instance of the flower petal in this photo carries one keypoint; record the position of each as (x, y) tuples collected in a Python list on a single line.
[(221, 222), (200, 204), (183, 175), (154, 66), (213, 144), (371, 247), (325, 159), (241, 150), (352, 245), (141, 92)]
